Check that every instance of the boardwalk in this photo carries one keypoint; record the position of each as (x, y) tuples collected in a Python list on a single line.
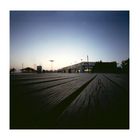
[(57, 100)]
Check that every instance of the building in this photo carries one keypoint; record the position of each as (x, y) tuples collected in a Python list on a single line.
[(105, 67), (78, 68), (39, 69), (85, 67), (28, 70)]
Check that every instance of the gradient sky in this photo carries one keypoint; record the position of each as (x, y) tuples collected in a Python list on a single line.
[(67, 37)]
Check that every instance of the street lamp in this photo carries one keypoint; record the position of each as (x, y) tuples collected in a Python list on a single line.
[(88, 62), (51, 64), (81, 69)]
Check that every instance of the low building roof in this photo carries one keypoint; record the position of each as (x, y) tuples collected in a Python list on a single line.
[(28, 68)]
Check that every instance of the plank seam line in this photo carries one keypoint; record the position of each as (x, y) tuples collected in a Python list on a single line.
[(53, 86), (37, 78), (66, 102), (115, 83), (47, 81)]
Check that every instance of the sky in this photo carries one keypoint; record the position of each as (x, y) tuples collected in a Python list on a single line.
[(67, 37)]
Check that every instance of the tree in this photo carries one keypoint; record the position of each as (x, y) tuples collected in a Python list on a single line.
[(12, 70), (125, 66)]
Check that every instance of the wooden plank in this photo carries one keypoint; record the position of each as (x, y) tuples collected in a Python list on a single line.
[(46, 99), (99, 105), (52, 97), (120, 80), (79, 101)]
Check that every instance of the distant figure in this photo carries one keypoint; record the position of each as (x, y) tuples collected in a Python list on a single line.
[(99, 82), (100, 85)]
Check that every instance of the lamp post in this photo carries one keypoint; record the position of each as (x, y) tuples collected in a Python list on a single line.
[(51, 64), (75, 66), (81, 70), (88, 63), (22, 66)]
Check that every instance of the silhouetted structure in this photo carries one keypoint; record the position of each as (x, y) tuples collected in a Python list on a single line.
[(28, 70), (39, 69), (95, 67), (105, 67)]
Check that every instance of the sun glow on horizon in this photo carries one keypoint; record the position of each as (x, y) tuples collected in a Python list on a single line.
[(67, 37)]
